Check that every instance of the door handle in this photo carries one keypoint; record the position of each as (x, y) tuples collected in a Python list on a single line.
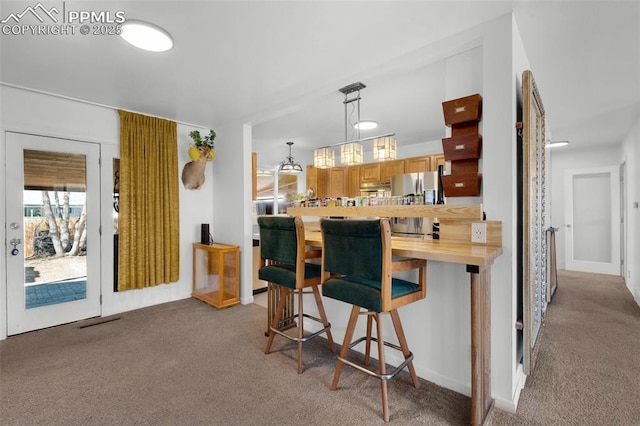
[(568, 225)]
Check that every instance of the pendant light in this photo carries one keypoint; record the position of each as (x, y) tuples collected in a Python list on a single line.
[(288, 165), (351, 154), (324, 158), (351, 151), (384, 149)]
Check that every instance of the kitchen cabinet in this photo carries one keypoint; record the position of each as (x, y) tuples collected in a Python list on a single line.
[(353, 181), (438, 160), (391, 168), (338, 179), (370, 172), (418, 164), (318, 180)]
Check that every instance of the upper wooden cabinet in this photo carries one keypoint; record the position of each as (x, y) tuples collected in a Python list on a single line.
[(391, 168), (353, 181), (370, 172), (418, 164), (438, 160), (346, 181), (337, 185), (317, 179)]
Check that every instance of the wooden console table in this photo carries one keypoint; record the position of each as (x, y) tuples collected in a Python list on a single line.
[(216, 274)]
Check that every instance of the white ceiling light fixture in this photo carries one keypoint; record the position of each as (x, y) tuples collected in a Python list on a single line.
[(366, 125), (146, 36), (556, 144)]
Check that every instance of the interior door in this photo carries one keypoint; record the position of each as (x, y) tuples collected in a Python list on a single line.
[(592, 208), (533, 218), (53, 231)]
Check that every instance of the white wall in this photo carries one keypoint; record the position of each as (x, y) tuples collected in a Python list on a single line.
[(232, 222), (566, 158), (41, 114), (630, 155)]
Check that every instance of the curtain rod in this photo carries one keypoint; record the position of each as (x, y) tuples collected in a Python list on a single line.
[(55, 95)]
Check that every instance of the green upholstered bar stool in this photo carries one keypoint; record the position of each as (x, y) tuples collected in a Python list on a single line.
[(357, 269), (283, 262)]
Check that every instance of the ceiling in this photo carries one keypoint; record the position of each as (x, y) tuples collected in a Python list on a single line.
[(279, 65)]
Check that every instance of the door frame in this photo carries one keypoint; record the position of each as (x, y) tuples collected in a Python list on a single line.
[(612, 268), (53, 314), (533, 219)]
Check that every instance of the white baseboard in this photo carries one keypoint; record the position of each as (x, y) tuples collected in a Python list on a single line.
[(512, 405)]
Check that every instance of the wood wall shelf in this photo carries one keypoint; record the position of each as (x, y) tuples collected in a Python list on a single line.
[(462, 110), (464, 147)]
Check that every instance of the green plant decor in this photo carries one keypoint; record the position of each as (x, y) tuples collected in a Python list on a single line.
[(198, 140)]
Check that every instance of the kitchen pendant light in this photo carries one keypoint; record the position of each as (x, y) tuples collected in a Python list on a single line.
[(351, 151), (384, 149), (324, 158), (351, 154), (288, 165)]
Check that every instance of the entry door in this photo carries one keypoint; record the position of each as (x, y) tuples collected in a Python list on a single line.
[(592, 209), (53, 234)]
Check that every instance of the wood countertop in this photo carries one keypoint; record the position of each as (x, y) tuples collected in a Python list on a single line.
[(453, 252), (465, 211)]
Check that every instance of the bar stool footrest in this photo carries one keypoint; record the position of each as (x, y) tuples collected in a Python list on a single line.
[(385, 376), (305, 338)]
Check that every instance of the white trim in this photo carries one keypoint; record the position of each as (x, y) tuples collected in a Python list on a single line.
[(84, 101)]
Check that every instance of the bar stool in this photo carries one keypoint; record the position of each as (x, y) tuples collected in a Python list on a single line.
[(357, 268), (283, 255)]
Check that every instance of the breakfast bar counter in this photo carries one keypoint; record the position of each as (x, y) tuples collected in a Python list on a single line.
[(454, 246)]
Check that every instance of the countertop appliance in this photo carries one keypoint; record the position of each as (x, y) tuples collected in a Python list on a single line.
[(415, 188)]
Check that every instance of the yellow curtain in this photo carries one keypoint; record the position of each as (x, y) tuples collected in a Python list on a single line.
[(148, 221)]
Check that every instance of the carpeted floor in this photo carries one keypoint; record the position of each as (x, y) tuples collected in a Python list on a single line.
[(186, 363), (588, 365)]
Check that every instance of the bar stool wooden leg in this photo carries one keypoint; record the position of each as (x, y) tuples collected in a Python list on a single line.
[(382, 369), (403, 344), (323, 317), (367, 352), (300, 330), (278, 315), (344, 350)]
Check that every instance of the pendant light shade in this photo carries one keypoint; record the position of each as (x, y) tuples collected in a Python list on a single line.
[(384, 149), (351, 154), (324, 158), (288, 165)]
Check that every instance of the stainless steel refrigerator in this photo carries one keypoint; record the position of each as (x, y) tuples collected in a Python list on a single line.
[(415, 188)]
